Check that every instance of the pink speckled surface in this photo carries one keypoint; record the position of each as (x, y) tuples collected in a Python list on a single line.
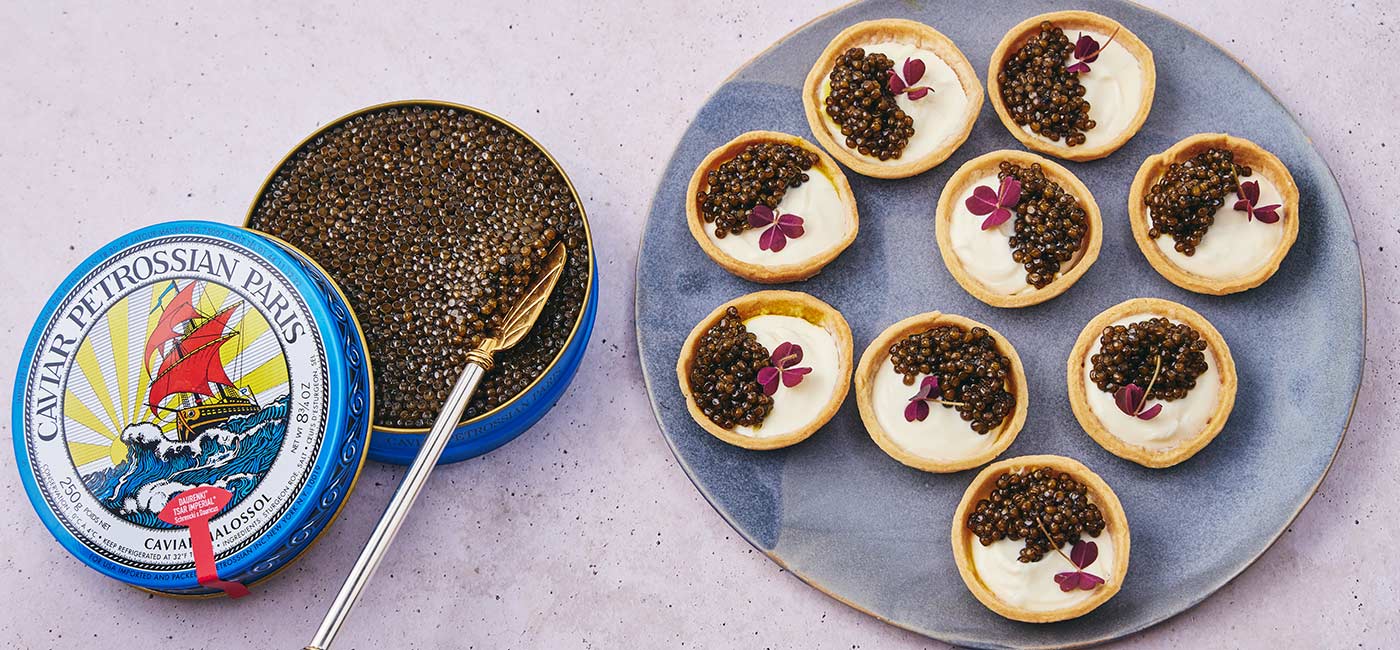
[(584, 533)]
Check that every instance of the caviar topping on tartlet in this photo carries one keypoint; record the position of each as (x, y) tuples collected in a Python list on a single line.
[(891, 98), (1072, 84), (771, 207), (1015, 229), (1214, 214), (766, 370), (1152, 381), (1040, 539), (941, 393)]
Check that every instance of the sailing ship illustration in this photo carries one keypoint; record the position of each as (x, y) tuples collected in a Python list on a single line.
[(188, 344)]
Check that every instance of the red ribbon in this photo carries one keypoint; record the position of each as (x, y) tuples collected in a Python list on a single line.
[(193, 509)]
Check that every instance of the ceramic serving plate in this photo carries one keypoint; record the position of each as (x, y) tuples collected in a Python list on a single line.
[(854, 523)]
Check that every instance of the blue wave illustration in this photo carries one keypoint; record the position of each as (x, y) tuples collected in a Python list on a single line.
[(234, 456)]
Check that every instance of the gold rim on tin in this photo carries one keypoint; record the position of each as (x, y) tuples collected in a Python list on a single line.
[(573, 191)]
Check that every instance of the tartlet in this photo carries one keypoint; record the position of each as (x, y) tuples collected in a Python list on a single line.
[(826, 384), (952, 73), (952, 205), (1115, 525), (1278, 182), (837, 210), (1127, 120), (876, 377), (1206, 413)]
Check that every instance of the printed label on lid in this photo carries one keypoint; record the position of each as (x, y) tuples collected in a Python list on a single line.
[(181, 362)]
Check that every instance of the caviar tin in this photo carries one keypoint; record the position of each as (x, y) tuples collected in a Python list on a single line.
[(478, 435), (192, 408)]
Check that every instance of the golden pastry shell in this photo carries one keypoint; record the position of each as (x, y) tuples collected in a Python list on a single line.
[(988, 163), (1246, 153), (1116, 522), (1078, 389), (873, 32), (786, 303), (878, 352), (770, 273)]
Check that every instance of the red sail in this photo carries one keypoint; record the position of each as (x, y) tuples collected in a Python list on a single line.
[(180, 309), (192, 373), (210, 330)]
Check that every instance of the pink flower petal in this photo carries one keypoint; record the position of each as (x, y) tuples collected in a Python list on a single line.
[(1084, 553), (768, 378), (999, 216), (1249, 191), (779, 353), (791, 225), (897, 85), (1151, 412), (760, 216), (1086, 49), (1079, 68), (983, 200), (1267, 214), (793, 376), (772, 239), (928, 385), (1067, 580), (919, 93), (1088, 581), (1243, 206), (913, 70), (916, 411), (793, 355), (1127, 398), (1009, 194)]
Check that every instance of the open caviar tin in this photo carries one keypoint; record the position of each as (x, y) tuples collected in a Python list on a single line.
[(192, 408), (485, 431)]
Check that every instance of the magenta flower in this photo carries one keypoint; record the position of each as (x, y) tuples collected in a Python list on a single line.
[(781, 227), (1086, 51), (913, 72), (995, 204), (784, 369), (1131, 399), (1249, 196), (1081, 556)]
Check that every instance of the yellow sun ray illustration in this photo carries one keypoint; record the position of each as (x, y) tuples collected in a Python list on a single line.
[(86, 452), (92, 369), (75, 408), (117, 330), (270, 374), (211, 299)]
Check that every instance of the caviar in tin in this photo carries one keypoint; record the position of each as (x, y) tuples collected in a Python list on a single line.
[(433, 220)]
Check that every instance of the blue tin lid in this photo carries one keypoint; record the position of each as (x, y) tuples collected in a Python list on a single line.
[(187, 355)]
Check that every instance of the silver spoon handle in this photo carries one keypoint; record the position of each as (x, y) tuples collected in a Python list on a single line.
[(398, 508)]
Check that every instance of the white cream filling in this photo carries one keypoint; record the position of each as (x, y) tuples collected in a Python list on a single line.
[(797, 407), (1235, 245), (1180, 420), (1032, 586), (1113, 88), (938, 116), (942, 436), (824, 225), (986, 254)]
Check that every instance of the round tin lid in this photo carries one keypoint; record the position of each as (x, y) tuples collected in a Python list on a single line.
[(188, 355)]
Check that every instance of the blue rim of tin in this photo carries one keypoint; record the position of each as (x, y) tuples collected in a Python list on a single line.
[(481, 436), (349, 413), (386, 436)]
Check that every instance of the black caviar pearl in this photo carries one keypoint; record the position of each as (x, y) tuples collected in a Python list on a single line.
[(970, 370), (1040, 93), (1044, 507), (1129, 354), (761, 173), (863, 107), (433, 221), (1050, 224), (1184, 200), (724, 376)]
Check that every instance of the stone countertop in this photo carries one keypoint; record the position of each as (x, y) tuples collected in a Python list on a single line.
[(584, 532)]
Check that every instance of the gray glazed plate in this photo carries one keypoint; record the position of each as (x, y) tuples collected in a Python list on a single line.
[(852, 522)]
